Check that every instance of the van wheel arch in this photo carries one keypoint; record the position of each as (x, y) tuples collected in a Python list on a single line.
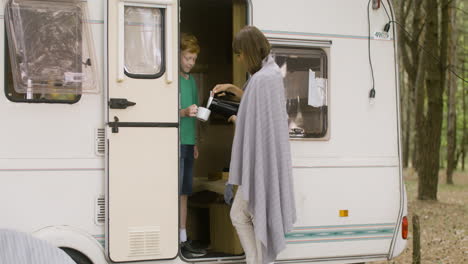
[(77, 256), (82, 245)]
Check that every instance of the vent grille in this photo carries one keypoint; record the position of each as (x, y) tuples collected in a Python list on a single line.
[(144, 241), (100, 146), (100, 210)]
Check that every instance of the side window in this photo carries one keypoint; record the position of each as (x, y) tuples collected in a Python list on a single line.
[(49, 55), (30, 96), (143, 42), (305, 80)]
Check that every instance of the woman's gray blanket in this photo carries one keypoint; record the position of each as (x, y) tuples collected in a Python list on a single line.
[(21, 248), (261, 158)]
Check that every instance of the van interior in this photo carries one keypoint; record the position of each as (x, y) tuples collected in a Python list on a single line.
[(213, 23)]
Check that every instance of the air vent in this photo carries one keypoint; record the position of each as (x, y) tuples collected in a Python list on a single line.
[(100, 213), (144, 241), (100, 146)]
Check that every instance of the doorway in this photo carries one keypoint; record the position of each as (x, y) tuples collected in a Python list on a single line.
[(213, 23)]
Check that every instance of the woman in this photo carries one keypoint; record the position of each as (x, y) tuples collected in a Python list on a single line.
[(263, 209)]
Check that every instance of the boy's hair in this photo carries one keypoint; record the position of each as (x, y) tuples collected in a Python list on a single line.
[(189, 42), (254, 46)]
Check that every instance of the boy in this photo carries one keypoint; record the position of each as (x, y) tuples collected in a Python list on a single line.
[(188, 150)]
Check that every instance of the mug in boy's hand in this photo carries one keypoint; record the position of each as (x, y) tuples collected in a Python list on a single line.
[(203, 114)]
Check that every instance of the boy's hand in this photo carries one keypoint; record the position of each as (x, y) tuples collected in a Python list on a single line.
[(233, 119), (191, 111), (195, 152)]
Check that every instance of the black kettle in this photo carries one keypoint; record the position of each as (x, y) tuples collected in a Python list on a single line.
[(224, 107)]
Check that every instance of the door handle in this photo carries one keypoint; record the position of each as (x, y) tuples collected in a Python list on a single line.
[(120, 103)]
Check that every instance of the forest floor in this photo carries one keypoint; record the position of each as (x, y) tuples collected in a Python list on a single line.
[(443, 223)]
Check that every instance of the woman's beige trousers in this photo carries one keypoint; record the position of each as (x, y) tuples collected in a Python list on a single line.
[(243, 222)]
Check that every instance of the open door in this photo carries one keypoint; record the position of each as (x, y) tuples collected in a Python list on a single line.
[(142, 134)]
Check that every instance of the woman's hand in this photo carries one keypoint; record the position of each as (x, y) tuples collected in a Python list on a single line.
[(233, 119), (195, 152), (190, 111), (221, 90)]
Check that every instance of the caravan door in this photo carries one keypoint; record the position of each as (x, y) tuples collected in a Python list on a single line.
[(142, 134)]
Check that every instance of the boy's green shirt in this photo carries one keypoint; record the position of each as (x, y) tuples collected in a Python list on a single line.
[(188, 97)]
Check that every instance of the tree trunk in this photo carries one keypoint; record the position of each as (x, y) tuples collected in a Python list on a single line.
[(452, 98), (416, 240), (464, 143), (420, 95), (404, 88), (407, 127), (430, 135), (416, 76)]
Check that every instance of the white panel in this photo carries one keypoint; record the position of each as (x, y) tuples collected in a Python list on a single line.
[(50, 174), (143, 193), (54, 164), (331, 17), (369, 194), (52, 131), (358, 129), (59, 131), (37, 199)]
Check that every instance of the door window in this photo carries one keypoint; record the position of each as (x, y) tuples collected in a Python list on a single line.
[(143, 42)]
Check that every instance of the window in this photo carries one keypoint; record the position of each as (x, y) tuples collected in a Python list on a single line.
[(305, 80), (50, 54), (143, 42), (34, 97)]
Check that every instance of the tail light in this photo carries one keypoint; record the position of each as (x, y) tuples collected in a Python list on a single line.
[(404, 228)]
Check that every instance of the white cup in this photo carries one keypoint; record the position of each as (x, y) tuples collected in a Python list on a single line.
[(203, 114)]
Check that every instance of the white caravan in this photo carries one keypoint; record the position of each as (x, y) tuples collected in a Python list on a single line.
[(89, 145)]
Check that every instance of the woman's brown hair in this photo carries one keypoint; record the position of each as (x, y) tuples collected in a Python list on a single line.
[(253, 45), (189, 42)]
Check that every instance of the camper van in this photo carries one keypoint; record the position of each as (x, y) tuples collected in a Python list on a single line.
[(89, 145)]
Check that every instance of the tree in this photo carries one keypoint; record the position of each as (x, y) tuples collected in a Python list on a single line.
[(449, 13), (410, 15), (464, 91), (461, 155), (430, 135)]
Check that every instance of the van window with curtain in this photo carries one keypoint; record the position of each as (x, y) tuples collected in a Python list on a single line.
[(305, 79)]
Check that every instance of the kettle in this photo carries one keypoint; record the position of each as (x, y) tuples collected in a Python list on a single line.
[(224, 107)]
